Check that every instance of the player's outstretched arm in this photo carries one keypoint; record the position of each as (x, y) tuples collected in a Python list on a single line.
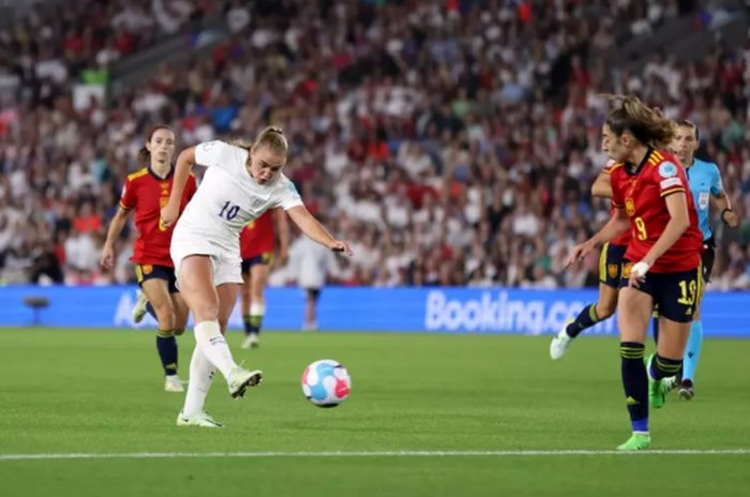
[(316, 231), (107, 259), (183, 168), (616, 225)]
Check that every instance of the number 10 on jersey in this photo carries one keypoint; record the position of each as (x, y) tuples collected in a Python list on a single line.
[(229, 211)]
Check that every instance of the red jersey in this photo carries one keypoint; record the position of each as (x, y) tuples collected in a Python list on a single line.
[(624, 237), (642, 192), (257, 237), (147, 194)]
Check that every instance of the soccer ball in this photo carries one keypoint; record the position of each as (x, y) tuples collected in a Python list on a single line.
[(326, 383)]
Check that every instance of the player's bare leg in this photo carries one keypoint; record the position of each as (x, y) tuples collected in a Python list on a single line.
[(210, 305), (211, 308)]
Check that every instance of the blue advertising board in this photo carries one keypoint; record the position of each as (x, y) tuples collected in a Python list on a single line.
[(446, 310)]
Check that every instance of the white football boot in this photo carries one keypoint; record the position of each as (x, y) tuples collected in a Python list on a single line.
[(173, 384), (251, 341), (240, 379), (201, 419), (560, 343), (139, 310)]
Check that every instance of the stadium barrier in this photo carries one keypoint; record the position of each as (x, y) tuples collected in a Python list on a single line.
[(447, 310)]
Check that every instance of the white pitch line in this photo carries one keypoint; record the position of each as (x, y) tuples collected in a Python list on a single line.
[(401, 453)]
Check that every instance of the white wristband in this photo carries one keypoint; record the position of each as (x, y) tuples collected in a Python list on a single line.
[(640, 269)]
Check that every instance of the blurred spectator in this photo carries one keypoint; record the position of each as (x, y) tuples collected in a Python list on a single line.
[(454, 141)]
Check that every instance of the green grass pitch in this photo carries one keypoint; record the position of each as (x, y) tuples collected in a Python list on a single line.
[(100, 392)]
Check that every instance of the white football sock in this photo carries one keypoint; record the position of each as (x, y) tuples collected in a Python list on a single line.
[(213, 345), (201, 375), (257, 309)]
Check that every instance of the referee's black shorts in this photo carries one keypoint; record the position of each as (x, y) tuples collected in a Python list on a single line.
[(707, 258)]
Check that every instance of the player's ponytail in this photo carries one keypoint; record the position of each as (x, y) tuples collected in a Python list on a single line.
[(648, 125), (274, 138), (144, 156)]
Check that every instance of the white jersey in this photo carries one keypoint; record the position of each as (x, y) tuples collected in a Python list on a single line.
[(227, 199)]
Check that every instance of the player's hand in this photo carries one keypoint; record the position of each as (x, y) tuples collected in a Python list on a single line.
[(579, 252), (341, 246), (731, 218), (169, 215), (638, 273), (107, 259)]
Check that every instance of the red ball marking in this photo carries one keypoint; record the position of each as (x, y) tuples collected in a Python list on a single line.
[(304, 375), (342, 388)]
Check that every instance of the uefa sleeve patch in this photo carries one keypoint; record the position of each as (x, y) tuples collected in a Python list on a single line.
[(293, 190), (667, 170)]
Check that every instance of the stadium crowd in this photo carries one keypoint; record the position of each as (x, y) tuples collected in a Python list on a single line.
[(455, 145)]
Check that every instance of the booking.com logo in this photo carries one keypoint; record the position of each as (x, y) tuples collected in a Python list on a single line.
[(498, 312)]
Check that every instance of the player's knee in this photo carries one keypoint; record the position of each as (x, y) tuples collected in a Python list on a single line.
[(165, 316), (206, 311), (605, 310)]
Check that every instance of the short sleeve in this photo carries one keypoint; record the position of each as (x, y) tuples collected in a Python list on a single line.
[(219, 153), (717, 187), (670, 178), (128, 197), (287, 195)]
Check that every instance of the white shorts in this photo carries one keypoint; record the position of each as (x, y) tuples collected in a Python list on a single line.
[(227, 268)]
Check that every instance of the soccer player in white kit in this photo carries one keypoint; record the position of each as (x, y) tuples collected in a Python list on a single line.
[(238, 186)]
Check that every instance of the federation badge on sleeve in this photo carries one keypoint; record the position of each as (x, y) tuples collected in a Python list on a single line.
[(667, 170), (293, 190)]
